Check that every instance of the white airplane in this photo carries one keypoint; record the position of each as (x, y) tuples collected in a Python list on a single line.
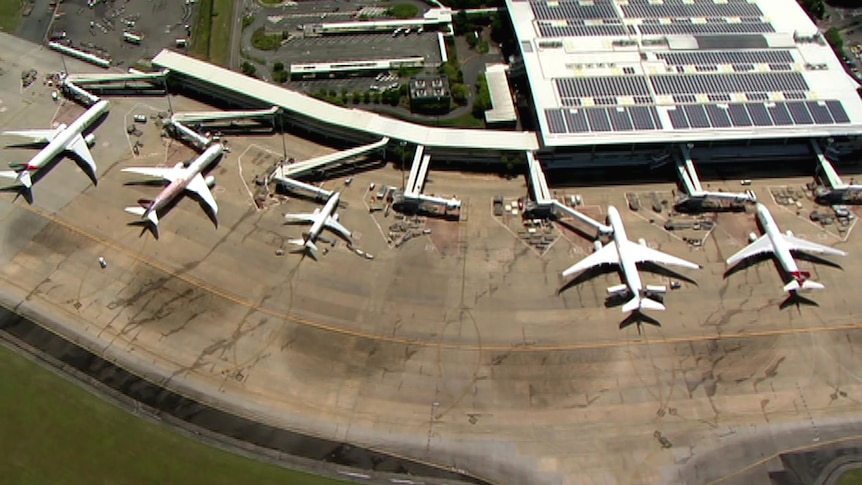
[(61, 139), (319, 219), (782, 246), (627, 254), (181, 178)]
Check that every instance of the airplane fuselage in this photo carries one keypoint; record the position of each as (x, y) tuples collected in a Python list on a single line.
[(327, 211), (178, 186), (627, 265), (58, 144), (779, 244)]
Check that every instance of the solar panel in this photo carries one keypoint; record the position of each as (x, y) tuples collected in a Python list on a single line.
[(671, 9), (837, 110), (666, 84), (577, 120), (572, 10), (757, 96), (718, 116), (677, 118), (727, 57), (555, 121), (759, 114), (738, 115), (799, 113), (696, 116), (581, 30), (598, 119), (584, 87), (620, 120), (780, 115), (713, 28), (820, 113), (644, 118)]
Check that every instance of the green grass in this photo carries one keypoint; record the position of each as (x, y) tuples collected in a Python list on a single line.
[(10, 14), (404, 11), (211, 31), (55, 432), (263, 41), (221, 25), (201, 29), (853, 477)]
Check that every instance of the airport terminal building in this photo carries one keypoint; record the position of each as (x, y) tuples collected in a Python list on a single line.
[(745, 77), (620, 82)]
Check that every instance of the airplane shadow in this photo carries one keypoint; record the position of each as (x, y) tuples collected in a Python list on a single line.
[(587, 275), (650, 267), (797, 300), (576, 230), (746, 263), (638, 318), (816, 259)]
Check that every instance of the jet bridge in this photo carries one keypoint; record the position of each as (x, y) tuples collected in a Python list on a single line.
[(837, 190), (418, 172), (209, 116), (543, 198), (189, 134), (692, 186), (71, 88), (412, 198), (298, 169), (296, 185), (113, 77)]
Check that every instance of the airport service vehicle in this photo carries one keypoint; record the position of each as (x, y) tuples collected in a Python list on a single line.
[(319, 219), (61, 139), (181, 178), (626, 254), (782, 247)]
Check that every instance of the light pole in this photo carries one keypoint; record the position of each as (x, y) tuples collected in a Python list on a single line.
[(403, 183)]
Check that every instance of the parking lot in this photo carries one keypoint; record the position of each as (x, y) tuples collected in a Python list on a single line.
[(100, 29)]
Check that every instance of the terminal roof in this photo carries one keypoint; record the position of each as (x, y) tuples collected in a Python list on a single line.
[(353, 119), (624, 71)]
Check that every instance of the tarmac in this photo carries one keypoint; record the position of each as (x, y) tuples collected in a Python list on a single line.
[(455, 349)]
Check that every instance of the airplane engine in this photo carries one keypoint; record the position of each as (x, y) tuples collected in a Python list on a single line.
[(752, 237), (642, 242), (597, 245), (789, 233), (618, 290), (210, 180), (656, 289), (335, 217), (90, 139), (180, 165)]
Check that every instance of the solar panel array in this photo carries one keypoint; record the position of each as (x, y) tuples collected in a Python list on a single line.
[(696, 116), (727, 57), (598, 120), (708, 28), (768, 82), (738, 115), (702, 91)]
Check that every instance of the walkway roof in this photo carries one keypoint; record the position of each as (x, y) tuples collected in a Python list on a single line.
[(355, 119)]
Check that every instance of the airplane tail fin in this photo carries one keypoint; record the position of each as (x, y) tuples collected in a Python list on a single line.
[(801, 282), (150, 215), (305, 244), (642, 303), (22, 177)]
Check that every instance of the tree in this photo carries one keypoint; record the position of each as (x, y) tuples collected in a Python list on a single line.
[(357, 97), (366, 98), (833, 36), (278, 66), (248, 69), (460, 93), (471, 39), (815, 8)]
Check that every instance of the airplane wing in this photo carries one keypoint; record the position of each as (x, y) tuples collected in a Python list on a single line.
[(796, 244), (79, 147), (169, 174), (606, 255), (301, 217), (760, 246), (38, 136), (199, 186), (644, 254), (337, 227)]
